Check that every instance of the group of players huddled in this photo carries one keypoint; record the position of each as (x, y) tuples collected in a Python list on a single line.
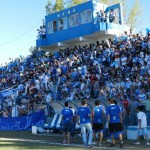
[(93, 122)]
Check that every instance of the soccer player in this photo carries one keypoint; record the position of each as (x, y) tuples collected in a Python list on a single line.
[(114, 116), (84, 115), (67, 115), (73, 125), (97, 115)]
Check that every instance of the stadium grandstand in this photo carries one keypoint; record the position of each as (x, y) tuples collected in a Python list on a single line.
[(84, 52)]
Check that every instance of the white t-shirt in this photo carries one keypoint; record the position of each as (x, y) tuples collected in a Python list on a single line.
[(142, 117), (124, 60), (15, 111), (48, 98)]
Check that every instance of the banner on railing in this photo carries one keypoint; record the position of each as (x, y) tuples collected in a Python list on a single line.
[(22, 123)]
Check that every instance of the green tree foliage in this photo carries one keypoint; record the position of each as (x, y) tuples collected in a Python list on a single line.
[(59, 5), (32, 49), (134, 14), (49, 7), (76, 2), (132, 10)]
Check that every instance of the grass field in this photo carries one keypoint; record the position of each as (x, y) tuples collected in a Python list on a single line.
[(25, 140)]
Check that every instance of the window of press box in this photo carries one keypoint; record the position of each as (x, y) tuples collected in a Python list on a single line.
[(74, 20), (54, 26), (86, 16), (62, 24), (50, 27)]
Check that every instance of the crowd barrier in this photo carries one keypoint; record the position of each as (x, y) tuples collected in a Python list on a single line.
[(132, 132), (22, 123)]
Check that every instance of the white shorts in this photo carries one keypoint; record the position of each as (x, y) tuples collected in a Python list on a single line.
[(142, 131)]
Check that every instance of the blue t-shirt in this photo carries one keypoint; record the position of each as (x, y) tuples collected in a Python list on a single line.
[(114, 112), (98, 114), (84, 113), (64, 70), (67, 115)]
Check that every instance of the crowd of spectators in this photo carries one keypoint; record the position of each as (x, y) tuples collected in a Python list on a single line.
[(119, 68)]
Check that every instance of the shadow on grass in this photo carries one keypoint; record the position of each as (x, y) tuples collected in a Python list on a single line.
[(7, 145)]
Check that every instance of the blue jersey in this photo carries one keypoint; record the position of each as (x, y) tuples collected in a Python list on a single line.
[(114, 112), (84, 113), (98, 114), (67, 115)]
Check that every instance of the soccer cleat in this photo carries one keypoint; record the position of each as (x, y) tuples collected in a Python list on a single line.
[(89, 146), (147, 143), (100, 144), (64, 142), (94, 143), (137, 143), (121, 144), (112, 145), (84, 146)]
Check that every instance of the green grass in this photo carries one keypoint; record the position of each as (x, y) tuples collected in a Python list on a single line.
[(25, 140), (7, 145), (8, 141)]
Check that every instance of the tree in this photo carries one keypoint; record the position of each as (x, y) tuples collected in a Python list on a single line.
[(75, 2), (32, 49), (49, 7), (132, 10), (134, 14), (59, 5)]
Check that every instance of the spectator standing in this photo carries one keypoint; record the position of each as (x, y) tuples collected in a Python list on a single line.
[(142, 124), (15, 110), (142, 95), (114, 116), (6, 113), (49, 98), (112, 16), (133, 104), (67, 115), (84, 114), (147, 109)]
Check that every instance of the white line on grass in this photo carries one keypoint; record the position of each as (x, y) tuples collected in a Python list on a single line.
[(60, 144)]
